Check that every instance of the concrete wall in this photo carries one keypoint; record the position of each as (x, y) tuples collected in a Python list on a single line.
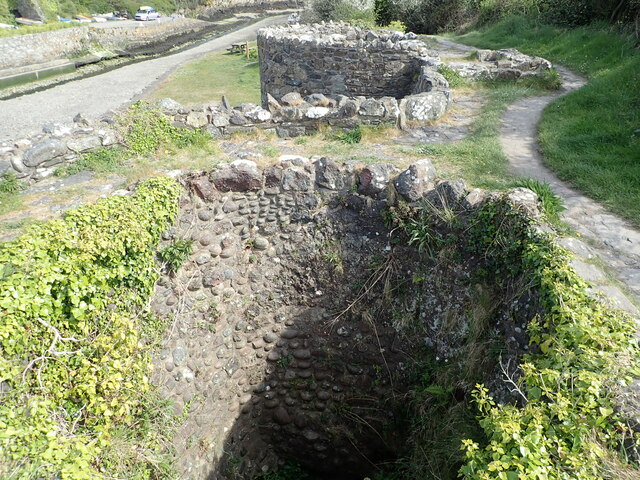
[(33, 49)]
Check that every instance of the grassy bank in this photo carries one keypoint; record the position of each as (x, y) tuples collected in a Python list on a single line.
[(590, 138), (210, 77)]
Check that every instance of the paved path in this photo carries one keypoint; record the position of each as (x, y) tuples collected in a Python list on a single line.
[(605, 239), (93, 96)]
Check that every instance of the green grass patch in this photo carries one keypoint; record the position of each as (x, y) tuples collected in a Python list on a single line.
[(479, 158), (209, 78), (103, 160), (591, 137), (551, 203)]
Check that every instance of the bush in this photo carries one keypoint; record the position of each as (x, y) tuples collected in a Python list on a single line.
[(351, 11)]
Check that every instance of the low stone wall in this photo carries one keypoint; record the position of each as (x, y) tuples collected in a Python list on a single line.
[(38, 48), (339, 59), (38, 156)]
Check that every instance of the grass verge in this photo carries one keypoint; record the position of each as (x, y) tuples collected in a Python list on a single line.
[(591, 137), (208, 78)]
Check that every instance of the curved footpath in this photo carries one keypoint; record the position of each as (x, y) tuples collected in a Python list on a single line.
[(608, 245), (93, 96)]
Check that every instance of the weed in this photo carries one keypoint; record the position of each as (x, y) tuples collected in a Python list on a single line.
[(175, 254), (289, 471), (551, 202), (103, 160), (9, 183), (301, 140), (452, 76), (270, 151), (350, 137)]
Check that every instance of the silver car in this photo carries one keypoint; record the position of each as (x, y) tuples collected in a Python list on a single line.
[(147, 13)]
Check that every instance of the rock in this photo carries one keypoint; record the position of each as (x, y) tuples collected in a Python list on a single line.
[(524, 199), (231, 366), (448, 194), (428, 80), (292, 99), (296, 179), (57, 129), (371, 108), (196, 119), (270, 337), (219, 120), (81, 120), (272, 176), (258, 114), (281, 416), (348, 109), (213, 131), (240, 176), (84, 143), (329, 175), (291, 131), (487, 55), (30, 9), (109, 137), (414, 182), (373, 179), (425, 107), (317, 112), (318, 100), (203, 187), (179, 356), (16, 163), (474, 198), (510, 74), (260, 243), (168, 105), (237, 118), (5, 166), (272, 104), (43, 152)]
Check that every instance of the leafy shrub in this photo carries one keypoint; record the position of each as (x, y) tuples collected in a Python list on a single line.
[(145, 128), (71, 348), (351, 11), (175, 254), (396, 26)]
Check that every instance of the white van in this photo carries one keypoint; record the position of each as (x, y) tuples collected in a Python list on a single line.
[(145, 13)]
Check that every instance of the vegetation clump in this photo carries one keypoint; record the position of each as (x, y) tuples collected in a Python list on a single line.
[(79, 404), (563, 423)]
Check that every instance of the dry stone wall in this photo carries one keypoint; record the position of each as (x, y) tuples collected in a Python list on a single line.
[(339, 59)]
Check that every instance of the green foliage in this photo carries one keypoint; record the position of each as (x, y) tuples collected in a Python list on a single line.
[(452, 76), (71, 347), (552, 204), (588, 137), (582, 353), (9, 183), (350, 137), (175, 254), (343, 10), (103, 160), (145, 128)]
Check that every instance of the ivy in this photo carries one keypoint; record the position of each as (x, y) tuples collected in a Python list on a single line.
[(583, 353), (70, 346)]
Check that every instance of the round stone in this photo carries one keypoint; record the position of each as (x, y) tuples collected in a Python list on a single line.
[(260, 243), (281, 416), (270, 337)]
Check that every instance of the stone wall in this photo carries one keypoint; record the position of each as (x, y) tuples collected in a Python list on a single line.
[(339, 59), (38, 48), (282, 341)]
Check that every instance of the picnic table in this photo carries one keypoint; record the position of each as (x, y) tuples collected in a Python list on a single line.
[(241, 48)]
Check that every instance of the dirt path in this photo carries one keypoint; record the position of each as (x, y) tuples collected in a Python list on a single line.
[(606, 246), (93, 96)]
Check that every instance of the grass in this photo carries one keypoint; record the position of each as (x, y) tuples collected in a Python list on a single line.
[(479, 158), (28, 29), (103, 160), (207, 79), (590, 137)]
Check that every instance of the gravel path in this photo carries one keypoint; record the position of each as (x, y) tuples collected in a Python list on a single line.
[(93, 96), (605, 245)]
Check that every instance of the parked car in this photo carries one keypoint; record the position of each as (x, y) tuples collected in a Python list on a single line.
[(145, 13)]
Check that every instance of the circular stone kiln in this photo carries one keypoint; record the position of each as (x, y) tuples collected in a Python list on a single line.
[(298, 320), (339, 60)]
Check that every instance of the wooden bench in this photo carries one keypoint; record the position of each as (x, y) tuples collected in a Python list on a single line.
[(241, 48)]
